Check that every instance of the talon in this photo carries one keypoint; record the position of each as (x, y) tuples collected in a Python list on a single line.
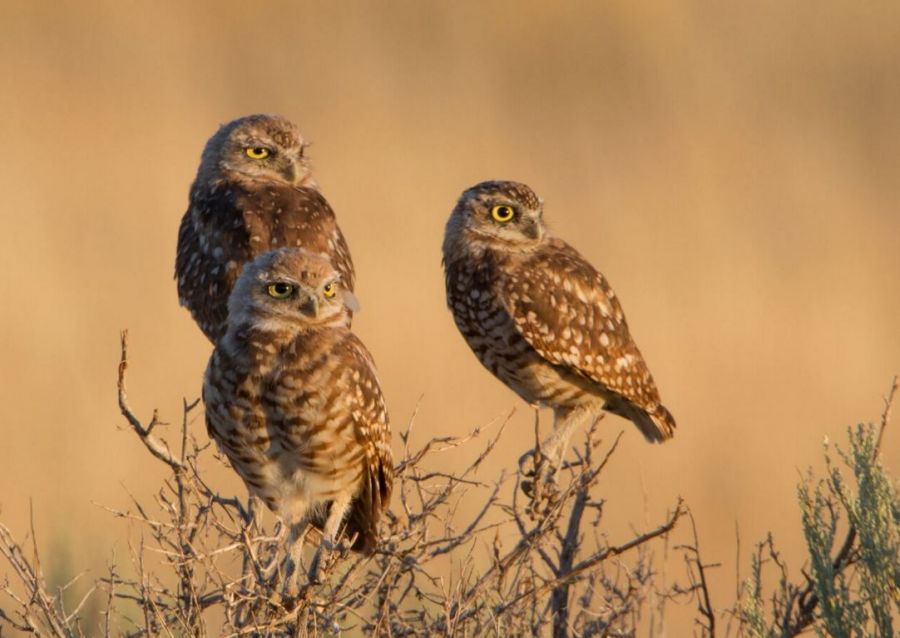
[(290, 585), (528, 488), (269, 570), (536, 459), (314, 573), (280, 530)]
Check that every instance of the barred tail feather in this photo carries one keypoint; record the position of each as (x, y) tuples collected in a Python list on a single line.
[(367, 508), (657, 426)]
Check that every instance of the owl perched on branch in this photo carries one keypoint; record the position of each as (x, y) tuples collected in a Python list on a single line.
[(293, 400), (254, 192), (541, 318)]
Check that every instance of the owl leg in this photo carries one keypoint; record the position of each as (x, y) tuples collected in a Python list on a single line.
[(254, 509), (565, 422), (339, 508), (547, 455), (251, 531), (296, 536)]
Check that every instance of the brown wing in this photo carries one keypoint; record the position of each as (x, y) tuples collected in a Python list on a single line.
[(208, 260), (373, 433), (227, 226), (567, 311)]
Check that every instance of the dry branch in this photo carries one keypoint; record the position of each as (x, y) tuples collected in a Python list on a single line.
[(205, 563)]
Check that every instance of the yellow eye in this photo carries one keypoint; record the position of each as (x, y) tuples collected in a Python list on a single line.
[(280, 290), (503, 213), (330, 289), (257, 152)]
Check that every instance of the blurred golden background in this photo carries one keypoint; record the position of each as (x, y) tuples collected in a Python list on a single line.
[(733, 168)]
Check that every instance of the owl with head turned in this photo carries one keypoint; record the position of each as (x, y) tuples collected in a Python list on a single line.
[(541, 318), (293, 400), (254, 192)]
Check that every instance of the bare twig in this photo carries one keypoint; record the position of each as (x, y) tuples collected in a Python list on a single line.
[(440, 568), (699, 583), (157, 448)]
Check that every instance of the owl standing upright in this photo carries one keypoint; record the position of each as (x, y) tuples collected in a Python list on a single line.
[(293, 400), (253, 192), (541, 318)]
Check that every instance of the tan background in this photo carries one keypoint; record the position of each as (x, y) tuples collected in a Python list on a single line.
[(731, 167)]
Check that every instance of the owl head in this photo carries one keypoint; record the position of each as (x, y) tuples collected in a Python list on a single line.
[(260, 148), (290, 289), (497, 214)]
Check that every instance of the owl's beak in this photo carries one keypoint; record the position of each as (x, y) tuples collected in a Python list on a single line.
[(310, 307), (289, 171), (534, 230)]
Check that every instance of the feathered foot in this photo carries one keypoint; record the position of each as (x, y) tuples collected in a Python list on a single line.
[(549, 453), (339, 509), (290, 566)]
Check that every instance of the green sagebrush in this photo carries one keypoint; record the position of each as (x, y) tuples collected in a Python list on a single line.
[(853, 587)]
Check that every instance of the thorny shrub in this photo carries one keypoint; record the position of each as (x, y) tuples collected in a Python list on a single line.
[(203, 563)]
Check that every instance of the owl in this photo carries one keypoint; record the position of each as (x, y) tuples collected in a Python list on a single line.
[(253, 192), (293, 400), (541, 318)]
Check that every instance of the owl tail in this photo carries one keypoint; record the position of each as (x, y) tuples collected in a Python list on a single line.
[(361, 530), (656, 426), (366, 509)]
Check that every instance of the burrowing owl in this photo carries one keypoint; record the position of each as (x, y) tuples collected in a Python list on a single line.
[(253, 192), (293, 400), (540, 317)]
